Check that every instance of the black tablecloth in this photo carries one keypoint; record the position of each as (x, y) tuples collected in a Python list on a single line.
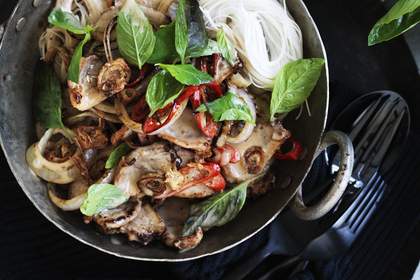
[(32, 248)]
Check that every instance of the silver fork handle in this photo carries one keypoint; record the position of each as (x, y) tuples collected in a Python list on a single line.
[(341, 181)]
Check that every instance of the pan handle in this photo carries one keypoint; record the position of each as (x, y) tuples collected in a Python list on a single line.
[(337, 189)]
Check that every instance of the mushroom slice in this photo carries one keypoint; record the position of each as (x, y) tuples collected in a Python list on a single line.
[(174, 213), (186, 243), (185, 133), (142, 161), (146, 226), (114, 76), (85, 94), (62, 172), (110, 221), (91, 137), (256, 152)]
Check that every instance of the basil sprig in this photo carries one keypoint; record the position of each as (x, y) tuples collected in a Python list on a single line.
[(225, 47), (181, 31), (116, 155), (187, 74), (74, 67), (228, 108), (197, 33), (404, 15), (217, 210), (71, 23), (294, 83), (68, 21), (48, 99), (135, 37), (164, 50), (211, 48), (102, 197), (162, 90)]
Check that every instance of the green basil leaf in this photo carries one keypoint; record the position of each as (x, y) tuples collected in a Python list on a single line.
[(162, 90), (116, 155), (404, 15), (294, 83), (164, 51), (101, 197), (217, 210), (197, 33), (135, 37), (225, 47), (48, 99), (212, 48), (181, 31), (187, 74), (229, 107), (68, 21), (74, 67)]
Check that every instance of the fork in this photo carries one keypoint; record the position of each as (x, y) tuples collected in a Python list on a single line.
[(372, 134)]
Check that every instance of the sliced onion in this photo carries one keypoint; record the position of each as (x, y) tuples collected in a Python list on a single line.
[(106, 107), (103, 115), (71, 204), (177, 115), (125, 118), (249, 127), (59, 173), (79, 117)]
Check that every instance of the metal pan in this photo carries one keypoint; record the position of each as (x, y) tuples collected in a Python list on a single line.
[(18, 57)]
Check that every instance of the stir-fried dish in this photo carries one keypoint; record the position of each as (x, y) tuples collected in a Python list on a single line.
[(157, 119)]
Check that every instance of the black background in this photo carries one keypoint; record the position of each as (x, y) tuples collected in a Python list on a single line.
[(32, 248)]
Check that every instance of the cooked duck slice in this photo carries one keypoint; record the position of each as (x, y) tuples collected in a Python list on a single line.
[(145, 227), (185, 133), (256, 152), (112, 220)]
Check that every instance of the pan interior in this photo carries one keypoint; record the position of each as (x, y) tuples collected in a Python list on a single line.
[(19, 51)]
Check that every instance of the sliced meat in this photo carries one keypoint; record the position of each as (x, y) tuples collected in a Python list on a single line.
[(256, 152), (185, 133), (145, 227)]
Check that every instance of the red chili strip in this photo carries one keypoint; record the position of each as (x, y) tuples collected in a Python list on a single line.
[(152, 124), (294, 154)]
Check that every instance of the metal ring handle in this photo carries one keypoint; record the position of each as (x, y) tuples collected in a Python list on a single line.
[(323, 206)]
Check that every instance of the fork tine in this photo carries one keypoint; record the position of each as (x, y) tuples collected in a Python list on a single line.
[(364, 117), (370, 208), (400, 110), (351, 214), (383, 130), (366, 204), (373, 125)]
